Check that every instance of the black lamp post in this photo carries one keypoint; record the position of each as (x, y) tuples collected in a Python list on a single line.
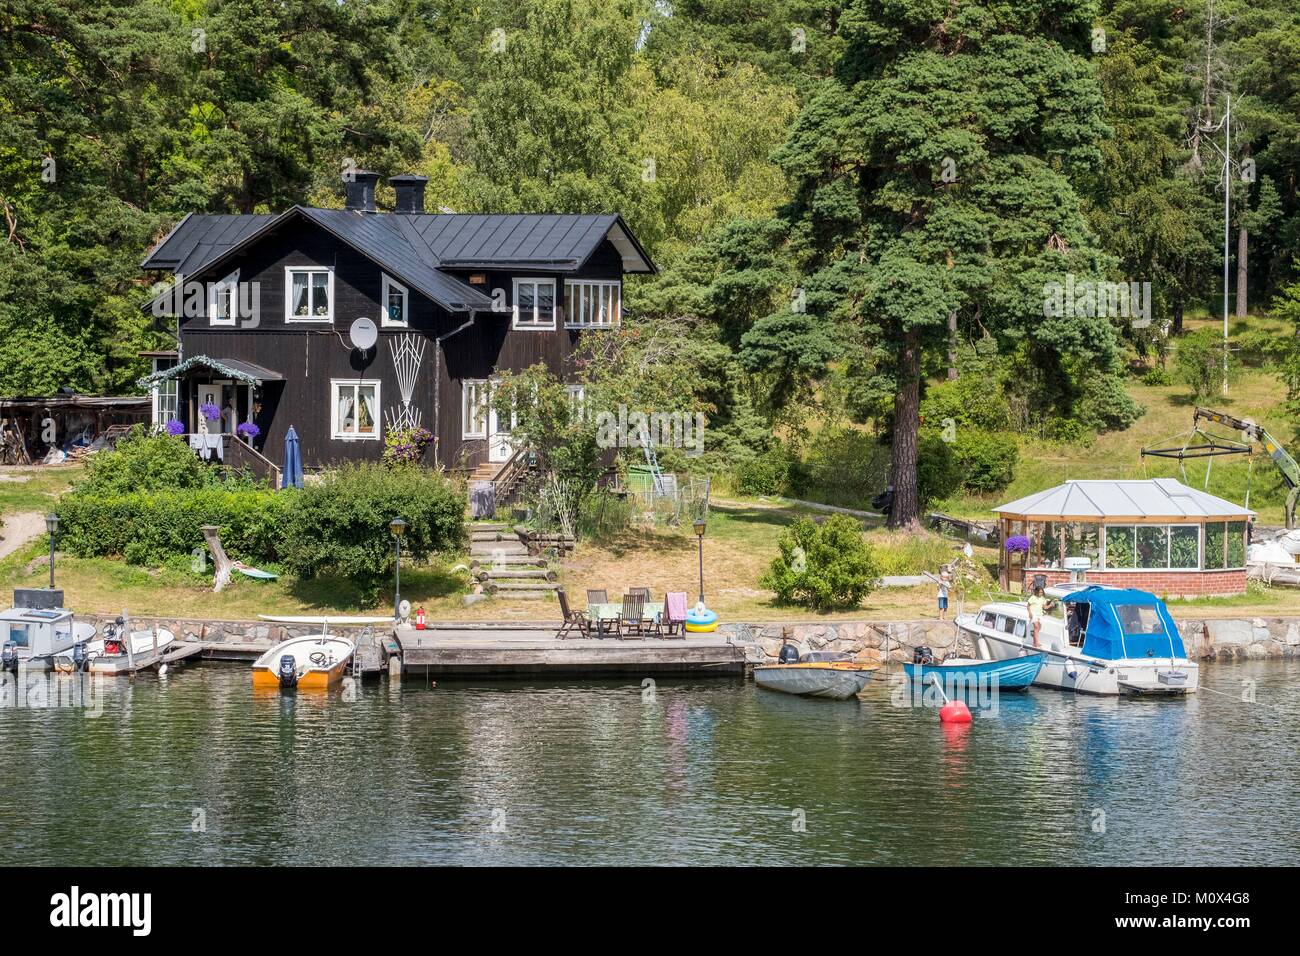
[(52, 526), (398, 528), (699, 536)]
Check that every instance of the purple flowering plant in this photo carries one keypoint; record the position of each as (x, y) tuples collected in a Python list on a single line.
[(175, 427), (209, 411), (248, 430), (1017, 543)]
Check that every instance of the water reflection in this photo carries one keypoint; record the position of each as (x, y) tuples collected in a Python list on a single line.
[(196, 770)]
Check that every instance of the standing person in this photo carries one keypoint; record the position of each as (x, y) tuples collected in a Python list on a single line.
[(1038, 606), (945, 585)]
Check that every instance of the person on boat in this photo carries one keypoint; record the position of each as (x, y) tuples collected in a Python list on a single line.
[(1039, 605), (945, 584)]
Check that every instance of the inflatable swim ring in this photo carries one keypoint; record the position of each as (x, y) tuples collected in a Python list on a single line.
[(700, 620)]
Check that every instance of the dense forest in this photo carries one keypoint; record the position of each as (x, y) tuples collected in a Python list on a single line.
[(856, 207)]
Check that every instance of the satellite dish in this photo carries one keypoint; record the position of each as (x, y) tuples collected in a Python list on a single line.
[(363, 334)]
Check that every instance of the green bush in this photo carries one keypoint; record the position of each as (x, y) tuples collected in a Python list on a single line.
[(1199, 362), (1105, 405), (341, 523), (147, 527), (145, 462), (970, 400), (937, 475), (1157, 375), (986, 461), (844, 466), (823, 567), (766, 474)]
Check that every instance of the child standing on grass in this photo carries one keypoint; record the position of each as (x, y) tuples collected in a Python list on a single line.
[(945, 583)]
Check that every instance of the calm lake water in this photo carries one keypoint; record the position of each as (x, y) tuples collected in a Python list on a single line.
[(603, 772)]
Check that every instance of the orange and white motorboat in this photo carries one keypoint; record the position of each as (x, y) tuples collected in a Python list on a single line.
[(303, 663)]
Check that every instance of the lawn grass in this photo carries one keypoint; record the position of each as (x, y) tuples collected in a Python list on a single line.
[(36, 487)]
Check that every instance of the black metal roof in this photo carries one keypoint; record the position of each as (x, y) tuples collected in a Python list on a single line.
[(416, 248)]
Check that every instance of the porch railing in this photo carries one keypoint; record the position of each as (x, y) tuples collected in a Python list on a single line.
[(237, 454)]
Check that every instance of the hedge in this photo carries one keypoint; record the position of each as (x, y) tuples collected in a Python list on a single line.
[(148, 527)]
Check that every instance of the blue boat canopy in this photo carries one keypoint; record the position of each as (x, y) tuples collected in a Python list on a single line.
[(1123, 622)]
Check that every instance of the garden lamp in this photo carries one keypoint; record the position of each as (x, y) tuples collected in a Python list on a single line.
[(52, 526), (699, 537), (398, 528)]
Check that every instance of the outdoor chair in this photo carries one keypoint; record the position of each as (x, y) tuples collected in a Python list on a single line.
[(674, 620), (631, 621), (644, 593), (573, 620), (598, 597)]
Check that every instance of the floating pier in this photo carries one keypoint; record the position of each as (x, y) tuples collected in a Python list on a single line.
[(499, 650)]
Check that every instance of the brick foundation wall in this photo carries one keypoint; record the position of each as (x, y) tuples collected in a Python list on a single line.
[(1164, 583)]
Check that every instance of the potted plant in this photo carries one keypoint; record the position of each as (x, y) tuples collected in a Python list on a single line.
[(248, 431), (175, 427), (208, 414)]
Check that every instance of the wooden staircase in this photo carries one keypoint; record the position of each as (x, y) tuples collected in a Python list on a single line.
[(500, 561)]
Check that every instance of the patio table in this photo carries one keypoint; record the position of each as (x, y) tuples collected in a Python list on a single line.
[(609, 611)]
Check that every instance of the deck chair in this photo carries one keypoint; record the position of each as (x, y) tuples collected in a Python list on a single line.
[(600, 596), (630, 622), (643, 592), (674, 620), (573, 620)]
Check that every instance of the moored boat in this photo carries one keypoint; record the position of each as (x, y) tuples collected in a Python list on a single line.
[(829, 676), (112, 645), (958, 675), (305, 663), (1095, 640)]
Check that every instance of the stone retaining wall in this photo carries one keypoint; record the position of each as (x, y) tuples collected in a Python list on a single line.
[(226, 632), (1208, 640)]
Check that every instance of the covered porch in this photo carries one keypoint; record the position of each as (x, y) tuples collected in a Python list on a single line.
[(221, 407)]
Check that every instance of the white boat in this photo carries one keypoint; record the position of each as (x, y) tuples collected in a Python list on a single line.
[(1097, 640), (305, 663), (110, 646), (830, 676), (33, 637)]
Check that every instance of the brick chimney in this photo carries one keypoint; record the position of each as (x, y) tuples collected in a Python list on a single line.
[(361, 190), (410, 192)]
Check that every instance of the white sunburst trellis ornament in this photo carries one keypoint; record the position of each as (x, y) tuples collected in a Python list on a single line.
[(408, 351)]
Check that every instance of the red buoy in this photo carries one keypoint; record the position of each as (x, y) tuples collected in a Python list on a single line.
[(954, 712)]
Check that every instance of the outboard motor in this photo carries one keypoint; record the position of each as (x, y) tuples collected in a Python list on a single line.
[(921, 654), (112, 639), (79, 655), (789, 654), (288, 671), (9, 657)]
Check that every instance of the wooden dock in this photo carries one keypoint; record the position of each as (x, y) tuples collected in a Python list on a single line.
[(497, 650), (117, 666)]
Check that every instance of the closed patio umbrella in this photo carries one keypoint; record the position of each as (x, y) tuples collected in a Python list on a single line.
[(292, 460)]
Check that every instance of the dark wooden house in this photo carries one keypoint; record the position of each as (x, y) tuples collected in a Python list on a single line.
[(264, 308)]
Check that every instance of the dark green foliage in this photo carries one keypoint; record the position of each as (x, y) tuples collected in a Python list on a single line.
[(937, 473), (972, 400), (146, 527), (145, 462), (1199, 362), (1105, 405), (340, 524), (986, 461), (843, 466), (824, 566), (765, 474)]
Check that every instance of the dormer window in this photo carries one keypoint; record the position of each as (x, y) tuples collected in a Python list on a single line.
[(534, 303), (309, 294), (394, 298), (223, 300)]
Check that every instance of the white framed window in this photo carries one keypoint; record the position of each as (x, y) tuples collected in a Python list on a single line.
[(308, 294), (165, 394), (394, 300), (475, 396), (354, 410), (223, 300), (592, 303), (534, 303), (577, 400)]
